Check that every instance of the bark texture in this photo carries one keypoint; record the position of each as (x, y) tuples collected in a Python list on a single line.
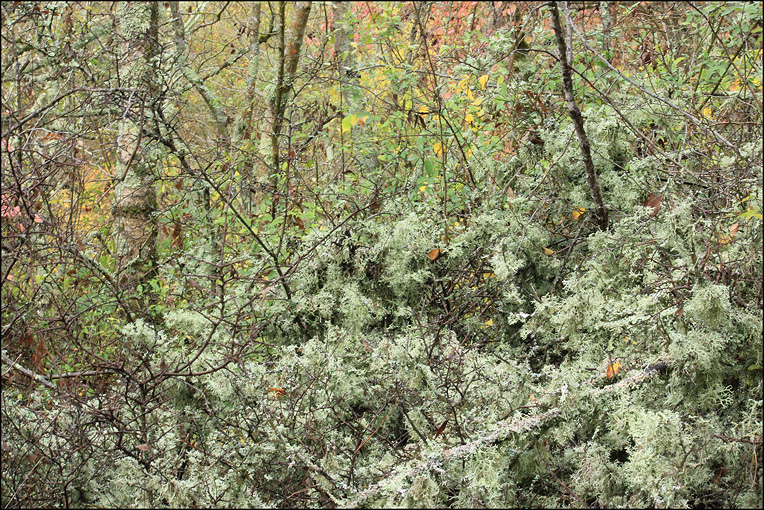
[(135, 199), (600, 213)]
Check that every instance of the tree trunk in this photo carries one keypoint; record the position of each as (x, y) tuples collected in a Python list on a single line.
[(607, 23), (349, 82), (244, 127), (289, 43), (135, 199), (601, 213), (199, 197), (344, 57)]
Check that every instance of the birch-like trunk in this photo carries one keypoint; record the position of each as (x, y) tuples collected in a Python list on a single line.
[(135, 199)]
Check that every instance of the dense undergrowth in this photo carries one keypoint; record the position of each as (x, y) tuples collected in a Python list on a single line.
[(444, 328)]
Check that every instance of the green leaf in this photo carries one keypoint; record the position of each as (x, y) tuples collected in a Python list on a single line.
[(347, 123), (428, 167), (752, 212)]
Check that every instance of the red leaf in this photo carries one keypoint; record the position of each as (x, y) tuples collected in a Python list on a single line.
[(177, 238), (441, 428), (39, 353)]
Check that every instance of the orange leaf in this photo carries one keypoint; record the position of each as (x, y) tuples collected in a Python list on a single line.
[(27, 338), (276, 393), (653, 201), (724, 238), (612, 370), (434, 254), (577, 212)]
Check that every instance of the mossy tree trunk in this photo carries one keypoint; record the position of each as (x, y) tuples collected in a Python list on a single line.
[(288, 45), (135, 198)]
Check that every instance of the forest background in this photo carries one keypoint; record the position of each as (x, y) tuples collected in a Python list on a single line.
[(454, 254)]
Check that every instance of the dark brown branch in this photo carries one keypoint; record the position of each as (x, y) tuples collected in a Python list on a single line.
[(600, 212)]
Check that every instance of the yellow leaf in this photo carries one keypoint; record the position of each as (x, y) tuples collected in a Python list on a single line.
[(469, 118), (424, 109), (477, 102), (548, 251), (469, 95), (422, 188), (438, 148), (612, 370), (483, 80), (707, 113), (489, 322), (577, 212)]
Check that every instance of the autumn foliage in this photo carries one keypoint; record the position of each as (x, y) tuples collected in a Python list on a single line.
[(314, 254)]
